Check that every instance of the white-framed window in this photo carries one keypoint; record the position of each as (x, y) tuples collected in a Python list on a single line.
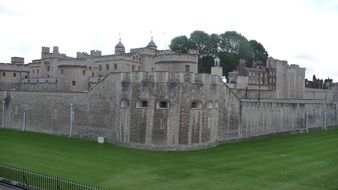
[(162, 105), (142, 104)]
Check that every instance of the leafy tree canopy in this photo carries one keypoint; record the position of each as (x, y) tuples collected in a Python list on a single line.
[(230, 46), (181, 44)]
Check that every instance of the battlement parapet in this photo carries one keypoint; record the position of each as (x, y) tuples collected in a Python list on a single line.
[(82, 55), (176, 58), (83, 63), (115, 57), (147, 51), (95, 53), (14, 67), (168, 77), (17, 60), (46, 54), (271, 62)]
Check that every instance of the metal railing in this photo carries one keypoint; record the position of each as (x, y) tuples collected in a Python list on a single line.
[(36, 181)]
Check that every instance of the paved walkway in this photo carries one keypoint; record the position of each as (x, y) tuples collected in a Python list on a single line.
[(4, 186)]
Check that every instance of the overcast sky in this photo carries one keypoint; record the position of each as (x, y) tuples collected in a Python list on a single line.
[(303, 32)]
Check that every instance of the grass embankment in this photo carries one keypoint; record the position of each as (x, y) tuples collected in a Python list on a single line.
[(304, 161)]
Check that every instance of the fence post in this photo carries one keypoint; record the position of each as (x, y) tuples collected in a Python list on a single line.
[(71, 119), (24, 121), (3, 113)]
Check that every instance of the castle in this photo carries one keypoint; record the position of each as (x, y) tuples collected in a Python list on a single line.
[(58, 72), (155, 99)]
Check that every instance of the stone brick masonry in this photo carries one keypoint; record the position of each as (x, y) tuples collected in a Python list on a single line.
[(161, 111)]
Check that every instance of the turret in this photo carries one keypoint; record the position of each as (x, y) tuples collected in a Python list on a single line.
[(119, 48), (55, 49), (152, 44), (44, 52)]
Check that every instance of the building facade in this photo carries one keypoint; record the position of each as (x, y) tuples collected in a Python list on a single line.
[(55, 71), (155, 99)]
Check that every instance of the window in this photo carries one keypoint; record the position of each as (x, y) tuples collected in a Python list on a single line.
[(90, 67), (47, 76), (4, 74), (124, 103), (37, 71), (139, 68), (187, 68), (61, 71), (14, 74), (83, 72), (74, 83), (215, 104), (92, 74), (48, 68), (196, 105), (133, 68), (107, 67), (115, 66), (100, 67), (162, 105), (209, 105), (33, 71), (142, 104)]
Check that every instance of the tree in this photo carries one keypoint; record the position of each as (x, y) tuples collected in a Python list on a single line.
[(181, 44), (200, 40), (259, 52), (213, 45), (230, 41), (230, 47)]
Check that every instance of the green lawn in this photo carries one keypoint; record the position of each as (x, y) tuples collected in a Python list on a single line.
[(303, 161)]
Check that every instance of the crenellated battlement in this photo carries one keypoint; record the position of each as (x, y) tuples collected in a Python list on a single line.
[(83, 63), (13, 67), (165, 58), (168, 77)]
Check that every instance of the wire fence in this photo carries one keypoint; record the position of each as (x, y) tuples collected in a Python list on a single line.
[(36, 181)]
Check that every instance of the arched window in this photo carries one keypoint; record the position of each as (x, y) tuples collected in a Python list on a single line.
[(124, 103), (196, 105), (215, 104), (209, 104)]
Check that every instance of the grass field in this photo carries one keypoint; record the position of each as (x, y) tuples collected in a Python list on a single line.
[(303, 161)]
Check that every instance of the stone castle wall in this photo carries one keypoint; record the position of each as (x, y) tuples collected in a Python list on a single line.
[(199, 111)]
